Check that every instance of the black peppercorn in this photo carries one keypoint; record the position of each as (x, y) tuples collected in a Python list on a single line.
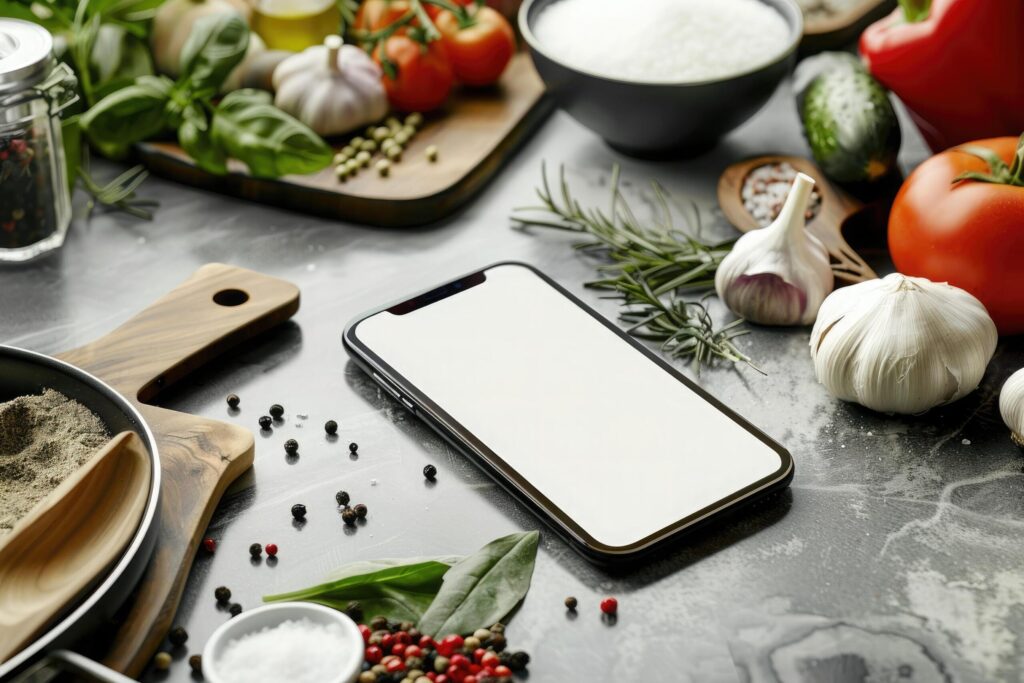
[(378, 623), (348, 515), (276, 410), (570, 603), (353, 447), (518, 661), (266, 422), (233, 400), (235, 609), (195, 662), (430, 472), (342, 497), (291, 446), (354, 611), (299, 511), (222, 593), (331, 427), (255, 550), (360, 510), (178, 636), (497, 642)]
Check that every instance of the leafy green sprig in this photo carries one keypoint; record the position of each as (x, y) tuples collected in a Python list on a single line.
[(646, 267)]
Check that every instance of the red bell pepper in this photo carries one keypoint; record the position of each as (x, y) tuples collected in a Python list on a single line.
[(958, 65)]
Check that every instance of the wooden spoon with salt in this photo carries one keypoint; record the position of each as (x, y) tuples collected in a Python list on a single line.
[(69, 538)]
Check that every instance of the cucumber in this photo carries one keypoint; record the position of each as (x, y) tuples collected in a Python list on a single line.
[(847, 119)]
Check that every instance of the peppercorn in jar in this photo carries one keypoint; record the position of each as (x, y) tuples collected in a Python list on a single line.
[(35, 199)]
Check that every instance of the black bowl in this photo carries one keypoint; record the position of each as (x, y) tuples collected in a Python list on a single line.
[(661, 118)]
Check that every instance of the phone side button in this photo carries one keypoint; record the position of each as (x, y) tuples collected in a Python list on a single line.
[(408, 404)]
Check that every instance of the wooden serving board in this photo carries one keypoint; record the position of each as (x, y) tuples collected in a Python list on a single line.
[(475, 136), (216, 309), (839, 30)]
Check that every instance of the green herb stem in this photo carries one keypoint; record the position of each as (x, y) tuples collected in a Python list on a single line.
[(915, 10)]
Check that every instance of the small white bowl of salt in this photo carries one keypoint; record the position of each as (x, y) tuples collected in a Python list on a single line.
[(297, 642)]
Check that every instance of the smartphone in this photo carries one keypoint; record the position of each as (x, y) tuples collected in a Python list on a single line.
[(611, 445)]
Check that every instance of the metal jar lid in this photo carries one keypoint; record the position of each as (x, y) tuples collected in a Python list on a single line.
[(26, 54)]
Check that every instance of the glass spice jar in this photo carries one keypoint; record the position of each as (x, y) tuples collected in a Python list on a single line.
[(35, 199)]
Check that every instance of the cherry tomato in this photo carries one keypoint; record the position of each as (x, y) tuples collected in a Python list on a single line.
[(481, 50), (968, 234), (374, 15), (424, 75)]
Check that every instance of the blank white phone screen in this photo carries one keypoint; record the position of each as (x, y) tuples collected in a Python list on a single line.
[(620, 445)]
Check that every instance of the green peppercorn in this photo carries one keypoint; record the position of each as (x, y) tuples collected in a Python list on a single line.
[(383, 168), (348, 150), (331, 427), (431, 153), (414, 119), (471, 643), (368, 146), (276, 410), (266, 422), (381, 133), (195, 662), (363, 158), (570, 603), (299, 511), (497, 628), (401, 138), (340, 158), (482, 634), (233, 400), (441, 664), (361, 511), (393, 123), (255, 550), (235, 609), (342, 497), (352, 166), (394, 153), (349, 516), (178, 636), (162, 661), (413, 664), (291, 446), (356, 141), (341, 173), (222, 594), (367, 677)]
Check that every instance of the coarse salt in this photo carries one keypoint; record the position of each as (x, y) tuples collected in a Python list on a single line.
[(296, 651), (663, 40)]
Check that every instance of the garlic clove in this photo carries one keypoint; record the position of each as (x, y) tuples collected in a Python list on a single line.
[(780, 274), (901, 344), (1011, 406)]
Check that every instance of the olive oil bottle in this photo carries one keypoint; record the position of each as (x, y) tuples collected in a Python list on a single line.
[(295, 24)]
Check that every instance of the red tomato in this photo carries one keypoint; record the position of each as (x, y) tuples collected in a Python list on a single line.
[(424, 76), (970, 234), (374, 15), (481, 51)]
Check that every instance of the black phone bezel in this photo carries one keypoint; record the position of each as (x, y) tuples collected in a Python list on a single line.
[(452, 431)]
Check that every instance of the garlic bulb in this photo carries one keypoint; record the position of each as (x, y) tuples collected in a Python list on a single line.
[(902, 344), (1011, 406), (778, 275), (332, 88)]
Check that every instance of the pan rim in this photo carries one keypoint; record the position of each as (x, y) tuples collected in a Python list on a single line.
[(143, 535)]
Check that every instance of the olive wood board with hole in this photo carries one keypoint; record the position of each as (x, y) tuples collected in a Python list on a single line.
[(837, 207), (219, 308), (475, 135), (839, 30)]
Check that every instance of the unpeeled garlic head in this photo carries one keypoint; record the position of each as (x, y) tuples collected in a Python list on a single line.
[(902, 344), (780, 274), (1011, 406)]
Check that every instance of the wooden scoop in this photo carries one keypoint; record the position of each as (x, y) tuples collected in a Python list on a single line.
[(70, 538), (836, 208)]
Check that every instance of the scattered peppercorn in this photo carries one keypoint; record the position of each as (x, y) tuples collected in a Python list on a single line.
[(299, 511), (497, 642), (255, 550), (349, 516), (430, 472), (331, 427), (222, 593), (196, 663), (178, 636), (266, 422), (342, 497), (354, 611), (498, 627), (570, 603), (431, 153), (353, 447), (291, 446), (235, 609), (162, 661), (276, 410), (272, 549), (517, 661), (360, 510), (233, 400), (209, 545), (609, 605)]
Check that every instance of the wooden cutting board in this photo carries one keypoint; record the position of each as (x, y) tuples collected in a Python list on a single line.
[(218, 308), (838, 31), (476, 135)]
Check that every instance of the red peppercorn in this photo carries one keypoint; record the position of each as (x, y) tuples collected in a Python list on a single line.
[(398, 650), (478, 654), (502, 671), (469, 679), (271, 549), (441, 678), (427, 641), (388, 641), (609, 605), (432, 675), (395, 665), (459, 661), (209, 545), (365, 630), (413, 651), (373, 654), (490, 659), (475, 669), (403, 637), (449, 644), (456, 675)]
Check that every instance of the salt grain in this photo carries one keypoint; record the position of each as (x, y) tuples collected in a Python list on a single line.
[(297, 651), (663, 40)]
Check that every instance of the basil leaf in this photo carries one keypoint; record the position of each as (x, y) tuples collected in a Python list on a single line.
[(270, 142), (128, 115), (214, 48), (395, 589), (194, 138), (117, 59), (484, 587)]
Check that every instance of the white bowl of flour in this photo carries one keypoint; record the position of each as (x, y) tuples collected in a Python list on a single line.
[(296, 642)]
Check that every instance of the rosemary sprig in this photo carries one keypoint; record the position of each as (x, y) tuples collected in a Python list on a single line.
[(646, 267), (119, 193)]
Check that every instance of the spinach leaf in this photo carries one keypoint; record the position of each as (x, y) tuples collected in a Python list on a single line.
[(270, 142), (128, 115), (194, 138), (395, 589), (215, 46), (484, 587)]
